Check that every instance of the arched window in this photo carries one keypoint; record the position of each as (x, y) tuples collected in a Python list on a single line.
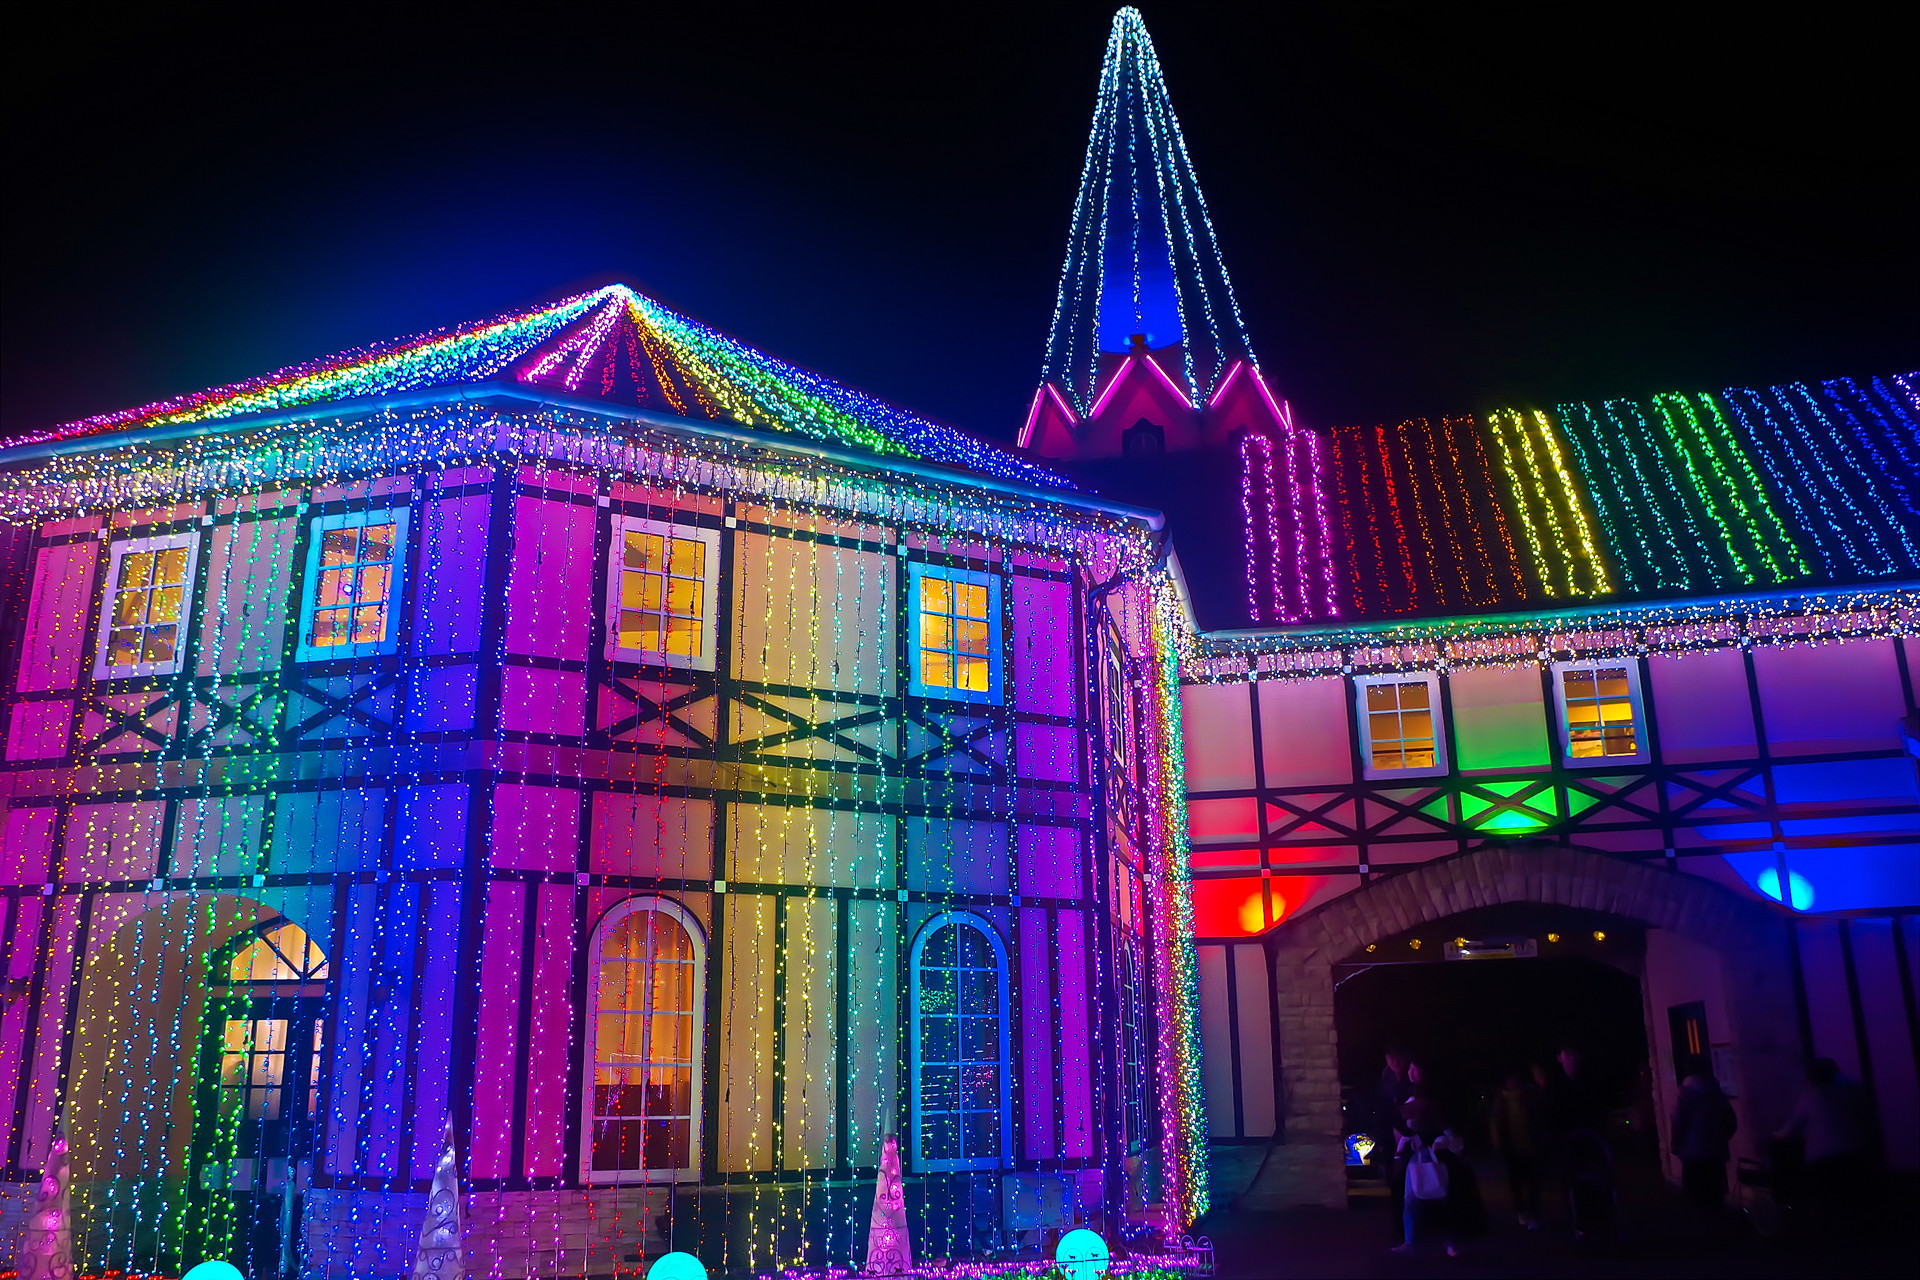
[(645, 1029), (961, 1072), (1133, 1040)]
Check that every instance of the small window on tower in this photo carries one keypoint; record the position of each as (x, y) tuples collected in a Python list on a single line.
[(661, 583), (956, 634), (1400, 727), (1601, 710), (355, 565), (143, 624)]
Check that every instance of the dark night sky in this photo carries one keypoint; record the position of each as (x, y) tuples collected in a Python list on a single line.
[(1425, 208)]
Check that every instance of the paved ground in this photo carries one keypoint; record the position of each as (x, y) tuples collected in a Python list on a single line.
[(1658, 1238)]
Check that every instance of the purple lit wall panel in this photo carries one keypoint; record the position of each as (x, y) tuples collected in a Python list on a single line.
[(1701, 702), (496, 1054), (1049, 752), (23, 948), (1896, 1087), (535, 828), (1832, 697), (957, 857), (538, 701), (44, 1068), (26, 854), (433, 1056), (548, 585), (113, 841), (39, 730), (1076, 1040), (1036, 1036), (384, 1099), (56, 613), (553, 947), (350, 964), (441, 698), (1051, 862), (1043, 677), (431, 827), (446, 607)]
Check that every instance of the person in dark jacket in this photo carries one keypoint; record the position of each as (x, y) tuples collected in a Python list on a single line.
[(1389, 1096), (1519, 1135), (1703, 1125)]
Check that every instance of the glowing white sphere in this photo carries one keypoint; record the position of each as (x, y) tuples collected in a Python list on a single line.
[(676, 1266), (1082, 1255)]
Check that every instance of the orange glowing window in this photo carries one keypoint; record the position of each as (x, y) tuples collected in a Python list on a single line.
[(956, 634)]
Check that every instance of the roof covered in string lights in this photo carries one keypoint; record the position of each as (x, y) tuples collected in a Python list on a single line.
[(613, 344)]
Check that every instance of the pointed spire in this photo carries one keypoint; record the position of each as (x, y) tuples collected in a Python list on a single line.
[(889, 1248), (1142, 257)]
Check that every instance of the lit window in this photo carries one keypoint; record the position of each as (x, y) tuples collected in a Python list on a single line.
[(1119, 726), (281, 953), (956, 634), (1133, 1040), (355, 566), (1601, 709), (660, 593), (1400, 725), (961, 1077), (643, 1047), (142, 626), (263, 1036)]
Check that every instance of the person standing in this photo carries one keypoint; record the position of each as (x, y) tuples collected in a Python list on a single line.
[(1830, 1120), (1425, 1168), (1389, 1097), (1582, 1156), (1518, 1135), (1703, 1127)]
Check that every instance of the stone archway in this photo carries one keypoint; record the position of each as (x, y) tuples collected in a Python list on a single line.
[(1751, 939)]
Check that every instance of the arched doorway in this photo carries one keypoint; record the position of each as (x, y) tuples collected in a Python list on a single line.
[(194, 1023), (1699, 937)]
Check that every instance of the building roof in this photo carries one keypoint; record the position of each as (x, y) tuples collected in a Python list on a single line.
[(614, 344)]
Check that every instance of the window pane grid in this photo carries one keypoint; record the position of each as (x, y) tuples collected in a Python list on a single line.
[(1600, 714), (955, 634), (1400, 726), (144, 615), (644, 1047), (662, 594), (961, 1058), (355, 587)]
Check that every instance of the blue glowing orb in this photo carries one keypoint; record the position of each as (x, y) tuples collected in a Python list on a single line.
[(1082, 1255), (1797, 885), (214, 1271), (676, 1266)]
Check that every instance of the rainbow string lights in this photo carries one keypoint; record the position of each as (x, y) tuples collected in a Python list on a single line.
[(1142, 256), (1683, 493), (614, 344)]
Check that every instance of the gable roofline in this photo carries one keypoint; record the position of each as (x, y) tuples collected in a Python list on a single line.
[(516, 396)]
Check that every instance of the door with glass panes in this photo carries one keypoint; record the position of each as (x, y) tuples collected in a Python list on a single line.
[(256, 1107)]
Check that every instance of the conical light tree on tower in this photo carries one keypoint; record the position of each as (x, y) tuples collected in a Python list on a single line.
[(1142, 257), (438, 1256), (889, 1249)]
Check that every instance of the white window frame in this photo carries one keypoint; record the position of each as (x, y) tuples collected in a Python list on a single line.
[(1645, 752), (118, 551), (710, 593), (918, 572), (920, 1162), (1441, 765), (400, 518), (615, 914)]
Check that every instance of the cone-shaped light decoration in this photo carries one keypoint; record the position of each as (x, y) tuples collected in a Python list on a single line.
[(46, 1246), (1141, 254), (438, 1257), (889, 1250)]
